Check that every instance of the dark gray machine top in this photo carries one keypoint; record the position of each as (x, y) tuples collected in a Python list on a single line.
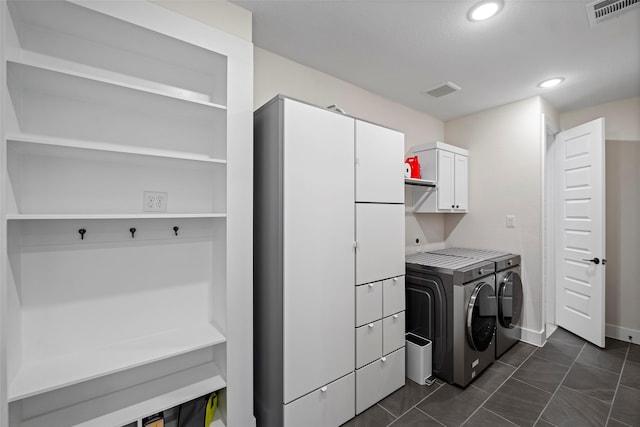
[(462, 270), (502, 260)]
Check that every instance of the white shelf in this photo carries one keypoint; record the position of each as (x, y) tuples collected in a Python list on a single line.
[(419, 182), (165, 401), (36, 141), (53, 374), (56, 65), (112, 216)]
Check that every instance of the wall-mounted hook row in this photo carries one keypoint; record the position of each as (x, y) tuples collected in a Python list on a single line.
[(132, 230)]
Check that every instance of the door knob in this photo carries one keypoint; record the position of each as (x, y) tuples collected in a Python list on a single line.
[(594, 260)]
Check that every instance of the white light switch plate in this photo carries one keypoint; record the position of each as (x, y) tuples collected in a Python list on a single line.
[(511, 221)]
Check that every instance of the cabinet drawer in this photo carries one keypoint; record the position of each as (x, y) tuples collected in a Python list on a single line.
[(378, 379), (368, 303), (393, 298), (369, 343), (331, 405), (392, 333)]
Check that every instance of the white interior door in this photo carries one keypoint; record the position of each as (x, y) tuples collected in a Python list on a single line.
[(580, 237)]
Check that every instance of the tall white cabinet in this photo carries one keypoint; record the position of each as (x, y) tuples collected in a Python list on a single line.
[(319, 176), (126, 194)]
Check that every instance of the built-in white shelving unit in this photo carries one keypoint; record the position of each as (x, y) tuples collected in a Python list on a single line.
[(119, 306)]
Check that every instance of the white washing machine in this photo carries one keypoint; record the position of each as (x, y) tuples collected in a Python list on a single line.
[(509, 292)]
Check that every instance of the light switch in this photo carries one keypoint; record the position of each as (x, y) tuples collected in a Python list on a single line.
[(511, 221)]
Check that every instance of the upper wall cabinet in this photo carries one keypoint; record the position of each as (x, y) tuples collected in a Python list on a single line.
[(125, 131), (379, 164), (447, 166)]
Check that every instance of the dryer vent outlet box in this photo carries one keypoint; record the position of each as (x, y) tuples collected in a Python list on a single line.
[(602, 10)]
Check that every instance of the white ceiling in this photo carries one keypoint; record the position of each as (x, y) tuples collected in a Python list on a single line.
[(398, 48)]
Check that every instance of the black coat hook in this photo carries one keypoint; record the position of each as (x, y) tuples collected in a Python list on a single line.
[(82, 231), (175, 229), (133, 232)]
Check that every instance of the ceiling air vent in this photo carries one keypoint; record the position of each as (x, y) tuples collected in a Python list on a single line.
[(601, 10), (442, 89)]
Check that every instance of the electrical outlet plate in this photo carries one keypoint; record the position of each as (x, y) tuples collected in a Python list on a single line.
[(154, 201), (511, 221)]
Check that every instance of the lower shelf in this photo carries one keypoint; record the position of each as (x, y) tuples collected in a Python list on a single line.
[(52, 374), (79, 415)]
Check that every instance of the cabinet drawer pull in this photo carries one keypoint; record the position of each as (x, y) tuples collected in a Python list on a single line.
[(395, 279), (395, 316), (371, 285), (324, 389), (383, 359), (371, 325)]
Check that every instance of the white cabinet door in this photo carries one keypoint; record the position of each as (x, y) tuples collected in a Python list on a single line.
[(380, 237), (318, 228), (446, 180), (330, 405), (393, 296), (368, 303), (369, 343), (393, 330), (461, 180), (378, 379), (379, 164)]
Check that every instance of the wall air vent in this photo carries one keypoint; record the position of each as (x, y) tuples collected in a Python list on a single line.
[(601, 10), (442, 89)]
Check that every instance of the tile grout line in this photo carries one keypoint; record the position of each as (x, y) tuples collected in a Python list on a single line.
[(388, 411), (498, 415), (603, 369), (560, 384), (415, 406), (498, 388), (532, 386), (420, 410), (615, 393)]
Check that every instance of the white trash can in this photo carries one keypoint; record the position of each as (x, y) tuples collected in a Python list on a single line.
[(419, 359)]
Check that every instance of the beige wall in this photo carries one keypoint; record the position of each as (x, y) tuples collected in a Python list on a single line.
[(623, 234), (622, 119), (622, 132), (219, 14), (505, 178)]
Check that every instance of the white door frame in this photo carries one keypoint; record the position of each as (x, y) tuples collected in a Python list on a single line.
[(548, 132)]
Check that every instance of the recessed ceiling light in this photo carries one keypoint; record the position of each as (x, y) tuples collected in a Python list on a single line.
[(485, 10), (551, 82)]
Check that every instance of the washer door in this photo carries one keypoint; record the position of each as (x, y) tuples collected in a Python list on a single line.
[(510, 300), (481, 316)]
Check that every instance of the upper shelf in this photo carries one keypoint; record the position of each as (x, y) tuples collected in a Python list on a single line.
[(41, 143), (51, 374), (56, 65), (419, 182)]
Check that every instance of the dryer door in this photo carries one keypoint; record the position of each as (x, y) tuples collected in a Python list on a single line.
[(481, 316), (510, 300)]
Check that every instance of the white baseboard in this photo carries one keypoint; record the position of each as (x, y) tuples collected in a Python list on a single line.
[(622, 334), (536, 338)]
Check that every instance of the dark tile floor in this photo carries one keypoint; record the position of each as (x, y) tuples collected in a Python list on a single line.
[(568, 382)]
